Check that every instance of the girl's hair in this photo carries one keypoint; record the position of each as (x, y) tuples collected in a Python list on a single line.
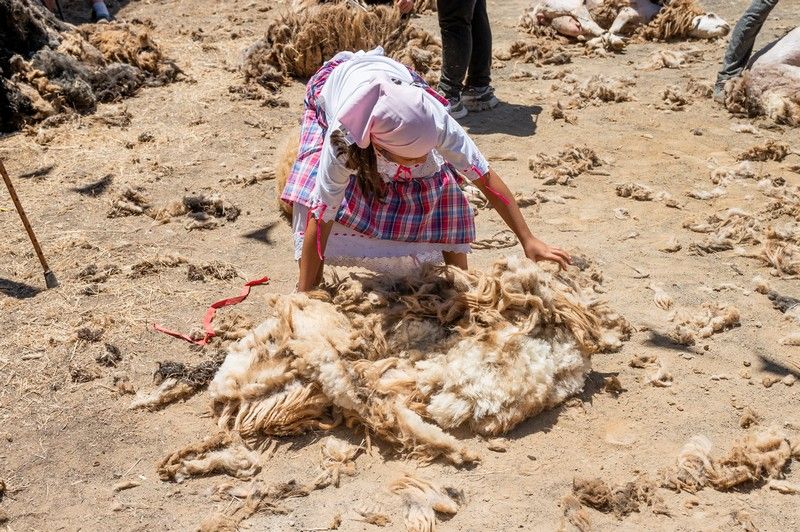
[(364, 163)]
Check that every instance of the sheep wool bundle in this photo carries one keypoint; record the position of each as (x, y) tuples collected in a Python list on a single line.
[(410, 358)]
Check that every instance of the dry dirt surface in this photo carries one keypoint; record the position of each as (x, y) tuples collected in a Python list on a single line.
[(73, 456)]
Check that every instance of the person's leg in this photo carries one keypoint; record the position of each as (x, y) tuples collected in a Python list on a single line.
[(479, 73), (452, 258), (455, 23), (740, 45), (99, 11), (479, 94)]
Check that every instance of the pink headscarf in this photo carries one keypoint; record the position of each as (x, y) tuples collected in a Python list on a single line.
[(397, 117)]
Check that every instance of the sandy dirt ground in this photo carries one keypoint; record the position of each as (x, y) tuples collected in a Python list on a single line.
[(67, 436)]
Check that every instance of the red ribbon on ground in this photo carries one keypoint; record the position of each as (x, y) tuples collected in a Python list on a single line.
[(212, 310)]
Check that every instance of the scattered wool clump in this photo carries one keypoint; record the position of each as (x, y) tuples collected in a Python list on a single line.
[(674, 99), (595, 90), (176, 381), (716, 192), (561, 169), (726, 230), (205, 211), (221, 271), (636, 191), (660, 297), (374, 516), (413, 357), (761, 455), (784, 257), (422, 499), (575, 514), (539, 50), (299, 41), (670, 59), (723, 175), (712, 318), (50, 68), (622, 499), (770, 151), (662, 378), (220, 453), (155, 264), (131, 202)]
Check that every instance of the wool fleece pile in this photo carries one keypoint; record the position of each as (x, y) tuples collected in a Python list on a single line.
[(411, 358)]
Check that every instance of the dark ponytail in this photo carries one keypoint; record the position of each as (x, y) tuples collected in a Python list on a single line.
[(363, 162)]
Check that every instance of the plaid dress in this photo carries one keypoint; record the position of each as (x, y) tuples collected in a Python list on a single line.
[(428, 209)]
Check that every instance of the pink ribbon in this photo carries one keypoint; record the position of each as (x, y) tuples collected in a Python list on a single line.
[(322, 207)]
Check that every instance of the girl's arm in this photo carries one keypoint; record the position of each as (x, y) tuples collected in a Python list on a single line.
[(311, 261), (493, 188)]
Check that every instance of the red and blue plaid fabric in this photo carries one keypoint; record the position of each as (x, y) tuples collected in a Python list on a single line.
[(430, 209)]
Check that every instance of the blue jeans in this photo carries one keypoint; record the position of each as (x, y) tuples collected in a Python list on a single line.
[(740, 45)]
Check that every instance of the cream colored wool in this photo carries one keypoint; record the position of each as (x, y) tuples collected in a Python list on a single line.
[(410, 358), (422, 499), (762, 454)]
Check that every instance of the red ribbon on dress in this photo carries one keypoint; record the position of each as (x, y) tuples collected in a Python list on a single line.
[(403, 173)]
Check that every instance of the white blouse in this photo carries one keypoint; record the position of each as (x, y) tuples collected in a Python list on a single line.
[(454, 145)]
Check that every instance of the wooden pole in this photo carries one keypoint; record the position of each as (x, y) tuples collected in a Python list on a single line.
[(49, 277)]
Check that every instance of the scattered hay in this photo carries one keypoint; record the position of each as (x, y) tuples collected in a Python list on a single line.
[(561, 169), (131, 202), (770, 151), (298, 42), (759, 456), (155, 264), (422, 499), (222, 271), (394, 355), (711, 319), (500, 240)]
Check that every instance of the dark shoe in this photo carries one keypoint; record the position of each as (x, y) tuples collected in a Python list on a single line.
[(455, 106), (719, 94), (479, 98), (100, 19)]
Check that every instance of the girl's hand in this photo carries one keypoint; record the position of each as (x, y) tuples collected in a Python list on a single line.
[(405, 6), (537, 250)]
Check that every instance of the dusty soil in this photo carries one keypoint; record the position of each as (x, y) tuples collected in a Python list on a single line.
[(65, 443)]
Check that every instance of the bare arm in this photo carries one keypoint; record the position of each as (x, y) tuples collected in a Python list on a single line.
[(534, 248), (310, 261)]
